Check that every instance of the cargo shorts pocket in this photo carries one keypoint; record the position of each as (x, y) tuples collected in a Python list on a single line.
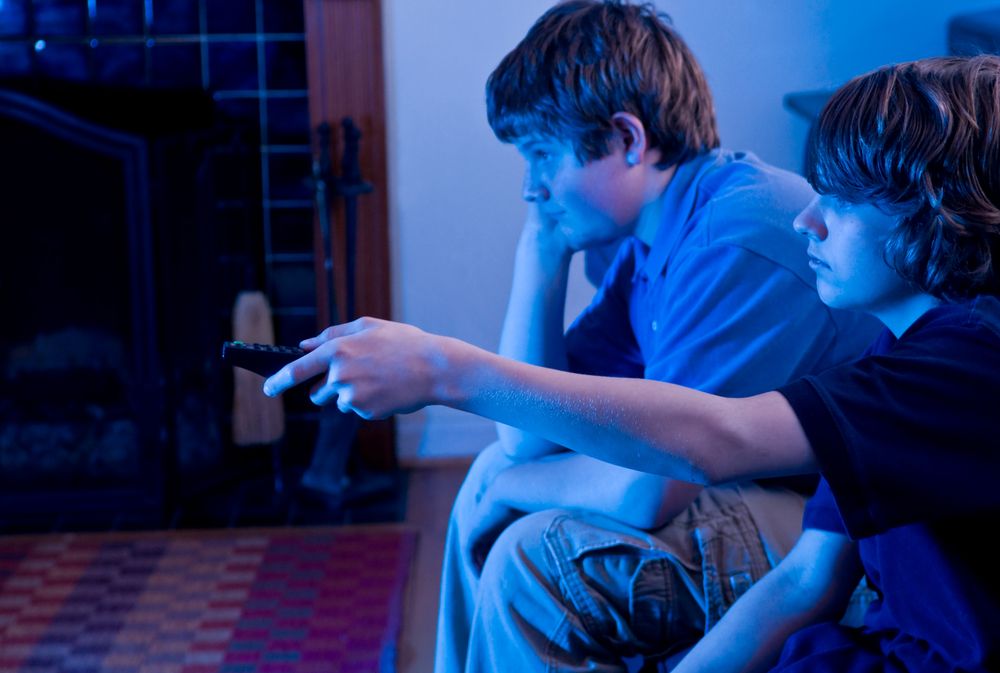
[(732, 559), (627, 591)]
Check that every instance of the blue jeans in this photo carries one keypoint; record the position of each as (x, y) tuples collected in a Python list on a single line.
[(570, 590)]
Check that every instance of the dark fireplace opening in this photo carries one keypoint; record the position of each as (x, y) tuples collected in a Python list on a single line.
[(111, 393), (69, 422)]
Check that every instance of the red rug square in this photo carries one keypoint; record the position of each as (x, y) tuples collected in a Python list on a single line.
[(279, 600)]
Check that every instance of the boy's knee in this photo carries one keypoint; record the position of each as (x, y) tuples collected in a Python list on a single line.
[(521, 546), (490, 461)]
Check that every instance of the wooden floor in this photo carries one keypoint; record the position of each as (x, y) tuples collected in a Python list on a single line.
[(432, 489)]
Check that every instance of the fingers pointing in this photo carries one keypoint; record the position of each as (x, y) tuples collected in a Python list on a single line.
[(294, 373)]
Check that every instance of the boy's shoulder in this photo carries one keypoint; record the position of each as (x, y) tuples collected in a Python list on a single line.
[(738, 200), (979, 313), (742, 182)]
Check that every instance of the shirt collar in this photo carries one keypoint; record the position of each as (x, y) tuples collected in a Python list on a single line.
[(678, 203)]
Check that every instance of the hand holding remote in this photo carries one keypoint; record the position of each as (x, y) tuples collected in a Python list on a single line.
[(372, 367)]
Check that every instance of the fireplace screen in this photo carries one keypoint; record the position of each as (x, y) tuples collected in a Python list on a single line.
[(111, 312), (67, 347)]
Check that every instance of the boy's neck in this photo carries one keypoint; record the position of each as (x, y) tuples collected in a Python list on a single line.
[(902, 314), (649, 220)]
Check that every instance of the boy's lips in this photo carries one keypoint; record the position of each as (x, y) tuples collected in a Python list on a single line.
[(816, 263)]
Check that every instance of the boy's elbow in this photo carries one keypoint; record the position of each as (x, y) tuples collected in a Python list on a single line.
[(707, 465), (521, 447), (726, 451), (642, 500), (672, 496), (717, 470)]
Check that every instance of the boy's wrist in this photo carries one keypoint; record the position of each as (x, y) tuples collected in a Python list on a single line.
[(551, 255), (452, 371)]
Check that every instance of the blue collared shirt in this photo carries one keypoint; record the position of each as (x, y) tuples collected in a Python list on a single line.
[(724, 300)]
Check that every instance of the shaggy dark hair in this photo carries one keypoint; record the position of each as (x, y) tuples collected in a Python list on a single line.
[(585, 60), (920, 141)]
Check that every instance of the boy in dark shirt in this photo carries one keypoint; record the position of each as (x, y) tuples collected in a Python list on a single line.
[(906, 227)]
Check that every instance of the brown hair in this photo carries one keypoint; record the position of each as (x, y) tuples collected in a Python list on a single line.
[(585, 60), (920, 140)]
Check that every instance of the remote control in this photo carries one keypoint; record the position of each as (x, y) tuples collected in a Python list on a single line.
[(262, 359)]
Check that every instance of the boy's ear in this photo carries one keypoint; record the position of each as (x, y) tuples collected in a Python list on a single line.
[(631, 133)]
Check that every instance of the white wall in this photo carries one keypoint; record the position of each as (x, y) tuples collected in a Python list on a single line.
[(454, 190), (755, 52)]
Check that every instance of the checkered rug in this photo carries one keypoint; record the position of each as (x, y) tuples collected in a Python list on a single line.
[(278, 600)]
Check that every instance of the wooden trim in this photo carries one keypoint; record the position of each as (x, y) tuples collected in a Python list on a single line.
[(346, 78)]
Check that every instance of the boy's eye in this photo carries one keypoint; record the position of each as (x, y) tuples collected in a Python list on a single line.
[(837, 203), (842, 204)]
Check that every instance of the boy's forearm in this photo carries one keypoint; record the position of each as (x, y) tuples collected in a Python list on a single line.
[(533, 325), (752, 633), (810, 586), (573, 481), (648, 426), (533, 328)]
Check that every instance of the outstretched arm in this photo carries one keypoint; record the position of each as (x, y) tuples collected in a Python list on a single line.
[(812, 584), (377, 368)]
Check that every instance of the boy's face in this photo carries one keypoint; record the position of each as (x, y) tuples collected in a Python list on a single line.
[(590, 204), (846, 242)]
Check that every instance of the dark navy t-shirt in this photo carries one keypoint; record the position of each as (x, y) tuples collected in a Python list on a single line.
[(908, 442)]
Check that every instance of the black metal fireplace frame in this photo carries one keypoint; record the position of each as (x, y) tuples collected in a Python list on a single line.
[(146, 497)]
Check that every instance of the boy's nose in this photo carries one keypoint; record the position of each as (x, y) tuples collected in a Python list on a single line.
[(810, 222), (533, 191)]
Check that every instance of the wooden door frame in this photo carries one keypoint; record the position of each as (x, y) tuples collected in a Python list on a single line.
[(346, 78)]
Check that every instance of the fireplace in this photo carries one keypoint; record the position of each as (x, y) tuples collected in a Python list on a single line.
[(110, 388)]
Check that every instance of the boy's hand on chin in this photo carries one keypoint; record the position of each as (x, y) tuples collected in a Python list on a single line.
[(545, 233), (372, 367)]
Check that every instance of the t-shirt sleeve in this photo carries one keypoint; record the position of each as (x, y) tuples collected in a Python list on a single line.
[(821, 511), (908, 435)]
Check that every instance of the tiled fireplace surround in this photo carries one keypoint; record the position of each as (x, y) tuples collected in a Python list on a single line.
[(248, 59)]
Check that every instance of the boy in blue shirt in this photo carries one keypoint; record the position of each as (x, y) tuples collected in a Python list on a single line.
[(906, 227), (710, 289)]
